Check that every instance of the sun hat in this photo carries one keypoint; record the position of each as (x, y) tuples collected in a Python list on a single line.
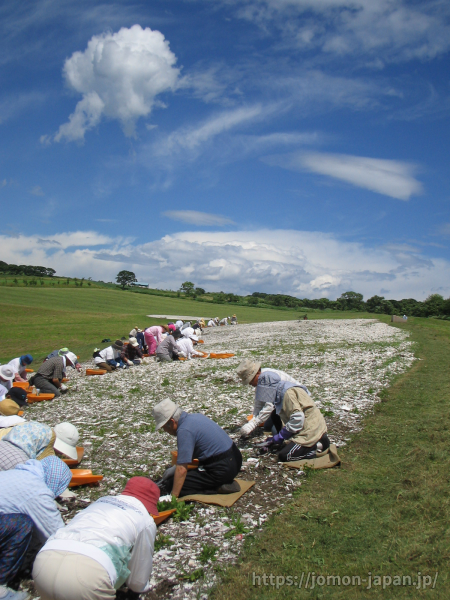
[(194, 337), (118, 345), (72, 357), (171, 326), (67, 437), (145, 490), (26, 359), (163, 411), (63, 351), (188, 331), (57, 474), (6, 372), (19, 396), (133, 341), (247, 370)]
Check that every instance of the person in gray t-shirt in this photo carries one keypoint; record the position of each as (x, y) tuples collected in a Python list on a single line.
[(198, 437), (168, 350)]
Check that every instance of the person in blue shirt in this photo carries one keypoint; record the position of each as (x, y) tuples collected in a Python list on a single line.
[(27, 506), (197, 437)]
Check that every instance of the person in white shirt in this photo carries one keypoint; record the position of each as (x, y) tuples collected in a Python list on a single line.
[(211, 323), (187, 347), (179, 324), (19, 365), (109, 543), (110, 358)]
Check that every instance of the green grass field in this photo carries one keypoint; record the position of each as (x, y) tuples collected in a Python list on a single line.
[(38, 319), (386, 511)]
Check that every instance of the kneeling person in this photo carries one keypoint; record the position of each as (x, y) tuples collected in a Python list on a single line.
[(198, 437), (105, 545)]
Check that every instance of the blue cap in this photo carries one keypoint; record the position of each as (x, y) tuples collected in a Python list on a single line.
[(26, 359)]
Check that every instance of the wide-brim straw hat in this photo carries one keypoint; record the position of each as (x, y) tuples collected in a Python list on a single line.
[(163, 411), (247, 370)]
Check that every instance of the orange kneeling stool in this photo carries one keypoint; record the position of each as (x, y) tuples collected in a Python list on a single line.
[(96, 371), (34, 398), (163, 516), (83, 477), (21, 384)]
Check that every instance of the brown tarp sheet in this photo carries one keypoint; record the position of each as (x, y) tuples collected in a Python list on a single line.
[(221, 499), (325, 460)]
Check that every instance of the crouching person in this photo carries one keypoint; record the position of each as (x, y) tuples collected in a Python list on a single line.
[(197, 437), (27, 507), (301, 428), (106, 545)]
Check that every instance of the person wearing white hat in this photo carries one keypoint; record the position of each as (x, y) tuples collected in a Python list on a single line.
[(133, 353), (67, 437), (186, 346), (6, 379), (50, 374), (197, 437), (224, 321)]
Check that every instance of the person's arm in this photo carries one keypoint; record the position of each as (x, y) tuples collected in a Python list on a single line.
[(45, 515), (179, 478), (141, 562), (259, 416)]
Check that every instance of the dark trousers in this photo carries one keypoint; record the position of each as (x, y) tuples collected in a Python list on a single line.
[(45, 386), (15, 536), (273, 423), (140, 339), (208, 477), (292, 451)]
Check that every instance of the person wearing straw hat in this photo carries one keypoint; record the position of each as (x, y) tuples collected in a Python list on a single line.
[(294, 415), (201, 438), (19, 366), (27, 507), (109, 543), (110, 358), (233, 320)]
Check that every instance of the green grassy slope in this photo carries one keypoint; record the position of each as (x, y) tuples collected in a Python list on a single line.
[(38, 320), (386, 511)]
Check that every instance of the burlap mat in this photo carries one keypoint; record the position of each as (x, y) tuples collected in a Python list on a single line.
[(324, 460), (221, 499)]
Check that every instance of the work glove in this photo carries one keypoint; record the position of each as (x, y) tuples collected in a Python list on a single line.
[(283, 435), (63, 388), (130, 363), (247, 429)]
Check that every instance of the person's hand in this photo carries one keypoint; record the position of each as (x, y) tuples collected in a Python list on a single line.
[(247, 429)]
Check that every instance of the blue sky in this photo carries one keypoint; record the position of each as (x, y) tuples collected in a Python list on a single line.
[(283, 146)]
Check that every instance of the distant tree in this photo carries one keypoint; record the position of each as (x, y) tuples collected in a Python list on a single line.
[(252, 300), (373, 303), (187, 288), (351, 301), (124, 278), (433, 305), (199, 291)]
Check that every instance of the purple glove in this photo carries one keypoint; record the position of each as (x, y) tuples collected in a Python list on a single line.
[(280, 437)]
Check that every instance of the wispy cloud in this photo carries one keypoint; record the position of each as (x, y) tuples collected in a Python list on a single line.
[(37, 191), (194, 217), (190, 138), (389, 177), (389, 30)]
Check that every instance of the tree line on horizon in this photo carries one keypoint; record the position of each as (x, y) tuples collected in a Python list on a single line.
[(28, 270)]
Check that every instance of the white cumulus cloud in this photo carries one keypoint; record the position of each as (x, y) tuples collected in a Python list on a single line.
[(119, 76), (194, 217)]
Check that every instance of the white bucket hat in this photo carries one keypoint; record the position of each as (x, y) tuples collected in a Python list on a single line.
[(188, 332), (6, 373), (72, 357), (163, 411), (247, 370), (67, 437), (133, 341)]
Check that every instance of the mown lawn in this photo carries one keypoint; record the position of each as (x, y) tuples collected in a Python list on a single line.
[(385, 512)]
